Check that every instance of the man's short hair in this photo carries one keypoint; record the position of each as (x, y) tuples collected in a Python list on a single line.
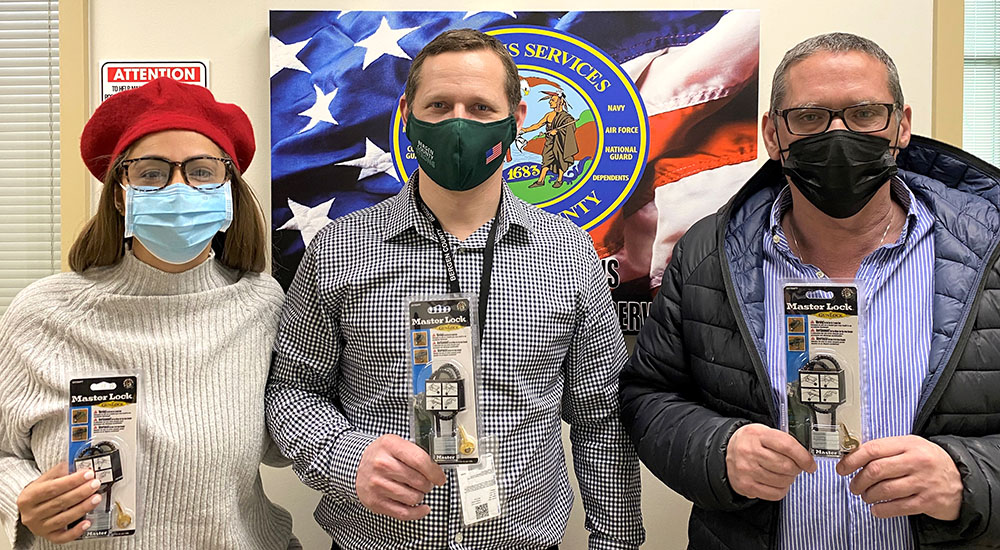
[(833, 42), (460, 40)]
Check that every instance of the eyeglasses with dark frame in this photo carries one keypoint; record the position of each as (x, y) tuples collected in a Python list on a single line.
[(863, 118), (149, 174)]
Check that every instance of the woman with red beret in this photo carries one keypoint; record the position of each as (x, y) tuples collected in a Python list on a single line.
[(168, 280)]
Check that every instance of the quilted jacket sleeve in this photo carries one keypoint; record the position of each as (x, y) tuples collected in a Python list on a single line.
[(679, 439), (978, 461)]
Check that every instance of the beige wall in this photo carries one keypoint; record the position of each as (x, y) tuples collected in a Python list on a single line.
[(233, 36)]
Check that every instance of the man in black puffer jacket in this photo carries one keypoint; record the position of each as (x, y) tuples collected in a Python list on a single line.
[(701, 395)]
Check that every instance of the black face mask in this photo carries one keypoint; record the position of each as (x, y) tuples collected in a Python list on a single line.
[(839, 171)]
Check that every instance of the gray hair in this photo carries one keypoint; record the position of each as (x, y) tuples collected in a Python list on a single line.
[(833, 42)]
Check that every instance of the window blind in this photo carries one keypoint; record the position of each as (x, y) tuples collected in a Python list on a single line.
[(29, 144), (981, 116)]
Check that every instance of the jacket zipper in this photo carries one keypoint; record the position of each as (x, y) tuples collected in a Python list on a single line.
[(737, 307), (736, 303), (923, 415), (954, 354)]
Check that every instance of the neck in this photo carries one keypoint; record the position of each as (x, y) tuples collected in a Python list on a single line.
[(461, 213), (838, 246), (145, 256)]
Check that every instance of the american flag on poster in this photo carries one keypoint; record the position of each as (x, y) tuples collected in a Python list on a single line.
[(643, 122)]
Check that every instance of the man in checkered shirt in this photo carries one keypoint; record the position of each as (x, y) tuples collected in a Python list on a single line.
[(337, 398)]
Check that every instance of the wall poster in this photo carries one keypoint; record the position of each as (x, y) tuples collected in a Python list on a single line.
[(660, 111)]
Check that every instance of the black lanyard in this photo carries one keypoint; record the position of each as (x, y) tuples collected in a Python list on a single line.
[(449, 259)]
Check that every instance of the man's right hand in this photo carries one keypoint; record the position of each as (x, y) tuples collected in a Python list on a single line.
[(394, 477), (56, 499), (762, 462)]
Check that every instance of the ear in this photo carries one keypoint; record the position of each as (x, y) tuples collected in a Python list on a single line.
[(904, 127), (520, 114), (769, 132), (120, 200), (404, 111)]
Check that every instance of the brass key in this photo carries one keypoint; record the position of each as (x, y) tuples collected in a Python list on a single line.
[(122, 519), (466, 445), (847, 441)]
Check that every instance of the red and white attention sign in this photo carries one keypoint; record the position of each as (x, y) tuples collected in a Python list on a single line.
[(118, 76)]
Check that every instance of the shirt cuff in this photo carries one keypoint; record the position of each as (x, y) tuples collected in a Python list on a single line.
[(347, 453)]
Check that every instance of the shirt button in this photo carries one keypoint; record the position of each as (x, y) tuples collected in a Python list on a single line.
[(459, 537), (820, 274), (776, 239)]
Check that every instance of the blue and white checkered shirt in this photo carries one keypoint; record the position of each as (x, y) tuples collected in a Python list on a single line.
[(552, 347), (819, 512)]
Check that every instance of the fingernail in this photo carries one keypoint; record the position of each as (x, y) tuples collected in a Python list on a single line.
[(89, 474), (85, 525), (95, 499), (95, 484)]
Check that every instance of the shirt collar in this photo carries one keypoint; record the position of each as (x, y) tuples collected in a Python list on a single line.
[(405, 214), (899, 191)]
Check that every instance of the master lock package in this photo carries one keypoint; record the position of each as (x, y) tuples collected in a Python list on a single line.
[(444, 361), (824, 371), (103, 419)]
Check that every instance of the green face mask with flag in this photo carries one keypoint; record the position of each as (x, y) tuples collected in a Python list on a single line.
[(458, 153)]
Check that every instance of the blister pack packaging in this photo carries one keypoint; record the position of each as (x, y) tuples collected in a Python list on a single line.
[(823, 366), (103, 421), (444, 361)]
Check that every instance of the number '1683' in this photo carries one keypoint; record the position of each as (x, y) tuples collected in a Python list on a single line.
[(522, 172)]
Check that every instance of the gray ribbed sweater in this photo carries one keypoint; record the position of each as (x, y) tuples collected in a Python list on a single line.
[(201, 341)]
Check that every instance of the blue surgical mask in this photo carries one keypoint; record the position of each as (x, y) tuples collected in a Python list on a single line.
[(177, 222)]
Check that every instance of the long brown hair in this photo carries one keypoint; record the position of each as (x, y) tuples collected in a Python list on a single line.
[(102, 241)]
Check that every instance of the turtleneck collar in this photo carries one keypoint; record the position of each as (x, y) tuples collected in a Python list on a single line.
[(133, 277)]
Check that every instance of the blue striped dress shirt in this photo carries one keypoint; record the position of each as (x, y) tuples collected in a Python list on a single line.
[(820, 512)]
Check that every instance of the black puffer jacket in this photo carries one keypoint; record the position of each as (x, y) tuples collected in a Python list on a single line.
[(697, 373)]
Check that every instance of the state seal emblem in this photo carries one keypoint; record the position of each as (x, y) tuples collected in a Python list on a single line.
[(584, 143)]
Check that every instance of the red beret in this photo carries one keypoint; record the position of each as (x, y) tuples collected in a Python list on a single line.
[(164, 104)]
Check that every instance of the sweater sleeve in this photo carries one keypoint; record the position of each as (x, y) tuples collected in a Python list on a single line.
[(20, 338), (680, 440), (269, 297), (300, 400)]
